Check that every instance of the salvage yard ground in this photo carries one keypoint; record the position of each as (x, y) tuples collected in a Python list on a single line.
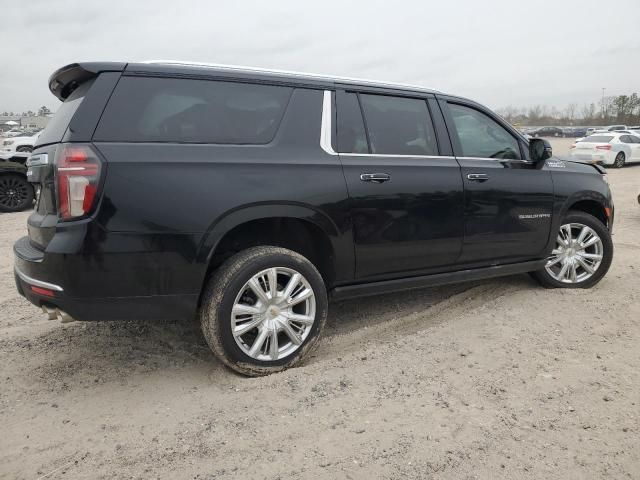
[(498, 379)]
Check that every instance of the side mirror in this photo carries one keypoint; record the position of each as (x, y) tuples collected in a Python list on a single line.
[(539, 149)]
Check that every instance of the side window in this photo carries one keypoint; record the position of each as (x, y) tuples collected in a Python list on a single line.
[(351, 135), (481, 136), (399, 126), (626, 139), (192, 111)]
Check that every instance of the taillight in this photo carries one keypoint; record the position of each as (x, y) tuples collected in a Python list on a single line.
[(78, 174), (572, 146), (603, 147)]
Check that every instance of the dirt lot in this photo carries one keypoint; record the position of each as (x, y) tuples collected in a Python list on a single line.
[(498, 379)]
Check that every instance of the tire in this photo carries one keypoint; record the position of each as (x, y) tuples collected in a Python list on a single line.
[(619, 161), (604, 248), (16, 194), (24, 148), (228, 290)]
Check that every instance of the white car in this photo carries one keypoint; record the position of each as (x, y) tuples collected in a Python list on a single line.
[(17, 147), (12, 133), (610, 149)]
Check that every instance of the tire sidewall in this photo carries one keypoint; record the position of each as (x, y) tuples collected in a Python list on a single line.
[(607, 245), (228, 282), (621, 163)]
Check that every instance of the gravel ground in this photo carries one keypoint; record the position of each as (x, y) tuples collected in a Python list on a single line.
[(496, 379)]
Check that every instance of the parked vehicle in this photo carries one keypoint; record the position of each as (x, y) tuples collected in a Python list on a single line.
[(16, 193), (613, 149), (17, 148), (613, 128), (592, 130), (546, 132), (251, 197), (578, 132), (13, 133)]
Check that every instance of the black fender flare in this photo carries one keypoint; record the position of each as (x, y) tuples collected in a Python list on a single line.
[(340, 240)]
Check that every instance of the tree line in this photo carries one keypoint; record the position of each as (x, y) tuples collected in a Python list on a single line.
[(622, 109), (42, 112)]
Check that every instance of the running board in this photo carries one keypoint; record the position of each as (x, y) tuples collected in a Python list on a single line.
[(409, 283)]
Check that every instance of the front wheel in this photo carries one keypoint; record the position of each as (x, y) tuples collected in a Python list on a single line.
[(582, 253), (264, 310)]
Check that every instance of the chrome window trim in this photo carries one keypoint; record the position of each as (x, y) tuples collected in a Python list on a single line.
[(510, 160), (326, 131), (432, 157), (38, 283), (326, 124)]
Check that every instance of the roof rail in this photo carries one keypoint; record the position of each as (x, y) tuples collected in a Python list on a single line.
[(222, 66)]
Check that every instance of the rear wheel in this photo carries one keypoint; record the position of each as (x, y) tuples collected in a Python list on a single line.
[(24, 148), (263, 310), (582, 254), (619, 161), (16, 193)]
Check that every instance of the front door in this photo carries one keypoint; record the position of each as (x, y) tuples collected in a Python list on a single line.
[(406, 198), (508, 201)]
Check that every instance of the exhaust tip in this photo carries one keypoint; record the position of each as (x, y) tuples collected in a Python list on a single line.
[(51, 313), (56, 313), (65, 317)]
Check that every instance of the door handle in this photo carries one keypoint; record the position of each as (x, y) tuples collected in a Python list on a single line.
[(375, 177), (478, 177)]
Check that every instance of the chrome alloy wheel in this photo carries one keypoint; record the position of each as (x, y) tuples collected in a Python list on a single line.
[(577, 255), (273, 314)]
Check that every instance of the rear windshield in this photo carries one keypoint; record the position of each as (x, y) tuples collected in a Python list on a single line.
[(57, 126), (598, 139), (192, 111)]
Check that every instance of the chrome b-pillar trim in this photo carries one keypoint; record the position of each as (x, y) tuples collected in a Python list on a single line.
[(326, 125)]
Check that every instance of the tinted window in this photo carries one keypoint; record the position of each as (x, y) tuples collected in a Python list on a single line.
[(192, 111), (481, 136), (351, 135), (400, 126), (57, 126)]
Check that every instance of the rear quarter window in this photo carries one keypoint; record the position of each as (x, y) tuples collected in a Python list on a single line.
[(192, 111), (598, 139), (57, 126)]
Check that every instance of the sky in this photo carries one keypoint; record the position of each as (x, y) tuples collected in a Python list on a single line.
[(498, 52)]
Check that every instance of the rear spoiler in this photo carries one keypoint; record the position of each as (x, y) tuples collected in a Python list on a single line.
[(66, 79)]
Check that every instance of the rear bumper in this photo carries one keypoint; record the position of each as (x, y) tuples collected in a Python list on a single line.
[(53, 279), (604, 158)]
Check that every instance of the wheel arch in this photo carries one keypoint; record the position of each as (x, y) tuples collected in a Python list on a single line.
[(594, 205), (300, 228)]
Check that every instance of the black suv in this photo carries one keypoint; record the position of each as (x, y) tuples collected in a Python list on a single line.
[(250, 197)]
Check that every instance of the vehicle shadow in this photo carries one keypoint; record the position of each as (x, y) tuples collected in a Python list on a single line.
[(95, 353)]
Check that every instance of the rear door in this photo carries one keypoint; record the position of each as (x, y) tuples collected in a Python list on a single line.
[(508, 201), (404, 185)]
